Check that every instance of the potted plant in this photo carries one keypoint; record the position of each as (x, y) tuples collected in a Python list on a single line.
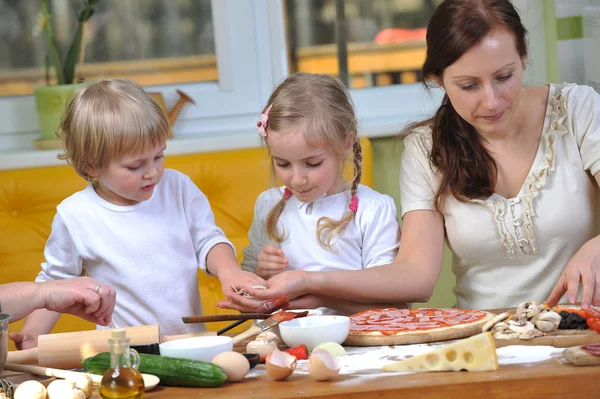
[(51, 99)]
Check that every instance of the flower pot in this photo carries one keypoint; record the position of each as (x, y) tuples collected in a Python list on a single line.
[(50, 104)]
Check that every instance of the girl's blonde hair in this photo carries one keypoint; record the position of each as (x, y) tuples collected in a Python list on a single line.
[(108, 119), (320, 106)]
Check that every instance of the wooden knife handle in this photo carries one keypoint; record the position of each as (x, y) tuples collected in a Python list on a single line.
[(25, 356), (38, 370), (225, 317)]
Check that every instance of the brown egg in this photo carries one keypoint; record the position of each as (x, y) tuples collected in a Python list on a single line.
[(235, 364), (280, 365)]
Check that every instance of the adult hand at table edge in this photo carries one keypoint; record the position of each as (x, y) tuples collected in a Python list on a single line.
[(23, 340)]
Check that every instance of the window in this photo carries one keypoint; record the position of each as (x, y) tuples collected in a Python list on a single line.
[(376, 47), (150, 42), (245, 36), (384, 40)]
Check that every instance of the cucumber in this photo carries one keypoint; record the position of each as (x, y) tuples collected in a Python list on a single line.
[(171, 371)]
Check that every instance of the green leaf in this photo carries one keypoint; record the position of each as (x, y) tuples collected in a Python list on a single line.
[(73, 55), (53, 51)]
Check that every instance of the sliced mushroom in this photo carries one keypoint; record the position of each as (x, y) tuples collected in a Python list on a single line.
[(506, 334), (529, 309), (534, 332), (493, 321), (520, 327)]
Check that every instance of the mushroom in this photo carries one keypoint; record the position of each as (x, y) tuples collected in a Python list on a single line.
[(83, 382), (268, 336), (495, 320), (506, 334), (527, 310), (262, 348), (30, 390), (546, 321), (62, 389)]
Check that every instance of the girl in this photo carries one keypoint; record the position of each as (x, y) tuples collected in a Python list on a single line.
[(141, 228), (318, 220), (507, 174)]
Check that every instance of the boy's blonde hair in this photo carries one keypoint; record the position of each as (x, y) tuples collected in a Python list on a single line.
[(320, 107), (108, 119)]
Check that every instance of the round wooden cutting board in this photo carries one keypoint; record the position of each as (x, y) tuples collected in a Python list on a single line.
[(375, 338)]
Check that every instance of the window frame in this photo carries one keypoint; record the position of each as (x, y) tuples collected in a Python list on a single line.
[(252, 58), (249, 61)]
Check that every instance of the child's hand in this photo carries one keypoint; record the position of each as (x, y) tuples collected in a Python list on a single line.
[(240, 279), (271, 261), (23, 340)]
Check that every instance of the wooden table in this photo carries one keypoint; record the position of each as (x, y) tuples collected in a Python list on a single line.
[(548, 379)]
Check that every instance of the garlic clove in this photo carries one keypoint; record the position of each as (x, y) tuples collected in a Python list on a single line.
[(280, 365), (30, 389), (322, 365)]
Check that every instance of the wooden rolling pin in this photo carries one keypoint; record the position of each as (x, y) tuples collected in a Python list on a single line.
[(68, 350), (58, 373)]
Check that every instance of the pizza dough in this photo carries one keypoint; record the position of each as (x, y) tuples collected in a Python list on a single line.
[(378, 327)]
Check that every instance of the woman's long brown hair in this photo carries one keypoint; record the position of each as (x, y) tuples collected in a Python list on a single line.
[(467, 169)]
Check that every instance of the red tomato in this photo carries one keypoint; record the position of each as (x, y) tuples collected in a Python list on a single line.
[(591, 320), (593, 313), (596, 325)]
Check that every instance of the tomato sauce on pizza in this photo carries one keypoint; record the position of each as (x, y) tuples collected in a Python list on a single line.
[(398, 321)]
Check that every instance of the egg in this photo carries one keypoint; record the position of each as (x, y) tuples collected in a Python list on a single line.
[(322, 365), (280, 365), (235, 364)]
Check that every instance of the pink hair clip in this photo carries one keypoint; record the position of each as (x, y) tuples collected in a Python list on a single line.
[(353, 204), (287, 193), (262, 123)]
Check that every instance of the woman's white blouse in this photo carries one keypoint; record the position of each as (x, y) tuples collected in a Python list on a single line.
[(510, 250)]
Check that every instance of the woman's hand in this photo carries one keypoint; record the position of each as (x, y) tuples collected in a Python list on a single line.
[(292, 284), (23, 340), (583, 267), (271, 261)]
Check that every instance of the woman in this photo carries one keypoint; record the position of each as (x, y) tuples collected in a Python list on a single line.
[(80, 296), (504, 173)]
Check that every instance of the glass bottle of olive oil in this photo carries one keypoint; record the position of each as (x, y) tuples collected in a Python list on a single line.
[(122, 380)]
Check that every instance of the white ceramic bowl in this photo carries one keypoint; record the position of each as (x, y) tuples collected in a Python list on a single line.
[(196, 348), (314, 330), (311, 312)]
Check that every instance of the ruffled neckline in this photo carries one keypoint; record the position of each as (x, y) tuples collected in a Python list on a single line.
[(536, 180)]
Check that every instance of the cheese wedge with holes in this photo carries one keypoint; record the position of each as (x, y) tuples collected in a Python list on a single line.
[(477, 353)]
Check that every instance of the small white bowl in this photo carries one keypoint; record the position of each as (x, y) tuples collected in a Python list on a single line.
[(311, 312), (314, 330), (196, 348)]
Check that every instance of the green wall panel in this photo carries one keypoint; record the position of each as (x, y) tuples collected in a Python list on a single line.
[(386, 158)]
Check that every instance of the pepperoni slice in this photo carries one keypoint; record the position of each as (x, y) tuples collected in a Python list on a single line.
[(592, 349)]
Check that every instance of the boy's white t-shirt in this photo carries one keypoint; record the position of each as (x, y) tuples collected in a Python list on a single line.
[(148, 252), (370, 239)]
